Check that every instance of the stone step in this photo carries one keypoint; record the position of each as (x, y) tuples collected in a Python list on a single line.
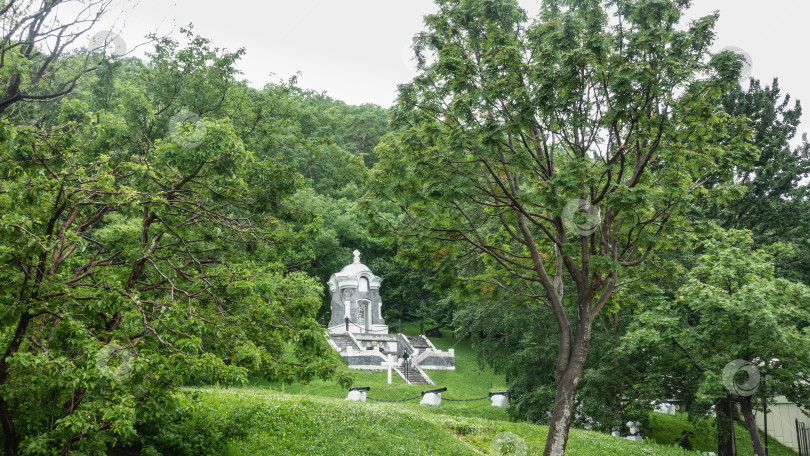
[(413, 377), (418, 342), (343, 341)]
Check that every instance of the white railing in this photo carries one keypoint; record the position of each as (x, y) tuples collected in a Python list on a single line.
[(406, 344), (421, 357), (430, 343), (423, 374), (424, 359)]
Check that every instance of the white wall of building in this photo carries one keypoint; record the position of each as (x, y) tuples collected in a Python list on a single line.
[(782, 416)]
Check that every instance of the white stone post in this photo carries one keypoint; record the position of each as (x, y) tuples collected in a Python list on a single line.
[(432, 399), (500, 400)]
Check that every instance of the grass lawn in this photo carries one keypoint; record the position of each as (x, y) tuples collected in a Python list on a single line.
[(293, 424), (283, 424)]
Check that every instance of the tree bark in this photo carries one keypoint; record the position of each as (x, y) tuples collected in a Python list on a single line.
[(751, 425), (568, 378), (11, 440), (726, 443)]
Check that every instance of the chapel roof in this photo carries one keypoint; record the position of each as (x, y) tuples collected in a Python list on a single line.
[(355, 268), (349, 276)]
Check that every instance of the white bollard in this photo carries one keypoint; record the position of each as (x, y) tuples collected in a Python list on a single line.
[(432, 399), (500, 400), (356, 396)]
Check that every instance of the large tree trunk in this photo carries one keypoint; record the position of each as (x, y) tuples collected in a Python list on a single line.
[(11, 442), (10, 437), (726, 443), (570, 364), (751, 425), (561, 416)]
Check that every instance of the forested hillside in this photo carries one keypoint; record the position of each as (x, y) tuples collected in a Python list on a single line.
[(604, 208)]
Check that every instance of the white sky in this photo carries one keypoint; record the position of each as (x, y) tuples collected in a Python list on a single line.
[(357, 50)]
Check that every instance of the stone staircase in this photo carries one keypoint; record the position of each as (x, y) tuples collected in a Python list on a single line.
[(418, 342), (343, 341), (413, 376), (373, 351)]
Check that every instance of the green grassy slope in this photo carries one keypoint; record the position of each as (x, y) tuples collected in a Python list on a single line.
[(282, 424)]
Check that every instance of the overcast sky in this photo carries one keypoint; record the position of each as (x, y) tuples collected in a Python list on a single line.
[(357, 50)]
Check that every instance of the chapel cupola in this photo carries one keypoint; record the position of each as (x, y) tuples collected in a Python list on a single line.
[(356, 294)]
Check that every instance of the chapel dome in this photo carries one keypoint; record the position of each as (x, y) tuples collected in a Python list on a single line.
[(350, 274), (354, 269)]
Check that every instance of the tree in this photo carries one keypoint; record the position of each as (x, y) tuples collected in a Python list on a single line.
[(35, 62), (775, 204), (511, 131), (767, 196), (735, 321), (357, 129), (138, 254), (619, 382)]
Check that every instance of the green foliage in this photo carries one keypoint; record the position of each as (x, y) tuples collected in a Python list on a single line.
[(515, 342), (666, 429), (510, 122), (32, 73), (355, 129), (192, 426), (617, 385), (774, 203), (732, 311), (140, 253)]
